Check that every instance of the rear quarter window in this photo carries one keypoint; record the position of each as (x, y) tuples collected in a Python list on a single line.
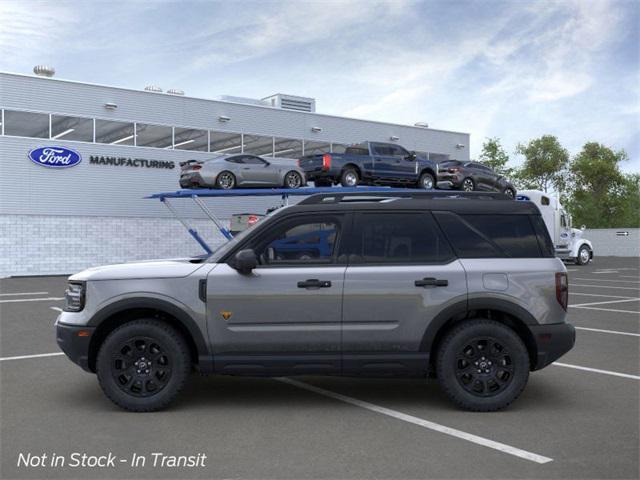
[(487, 236)]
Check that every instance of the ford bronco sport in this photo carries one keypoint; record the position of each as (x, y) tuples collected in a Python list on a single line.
[(413, 284)]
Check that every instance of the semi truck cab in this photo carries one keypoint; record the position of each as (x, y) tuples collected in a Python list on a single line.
[(568, 241)]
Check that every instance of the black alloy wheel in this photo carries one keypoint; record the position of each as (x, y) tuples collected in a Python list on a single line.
[(293, 179), (468, 185), (226, 180)]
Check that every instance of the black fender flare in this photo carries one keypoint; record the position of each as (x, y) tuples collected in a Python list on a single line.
[(201, 345), (461, 309)]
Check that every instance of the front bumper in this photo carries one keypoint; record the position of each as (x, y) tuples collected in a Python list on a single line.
[(552, 341), (74, 341)]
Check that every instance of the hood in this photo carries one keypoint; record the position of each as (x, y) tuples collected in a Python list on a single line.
[(173, 268), (576, 233)]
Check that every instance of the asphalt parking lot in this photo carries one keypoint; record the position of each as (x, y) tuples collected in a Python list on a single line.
[(578, 418)]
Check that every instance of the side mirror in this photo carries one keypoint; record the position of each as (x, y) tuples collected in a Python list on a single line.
[(583, 228), (412, 156), (245, 261)]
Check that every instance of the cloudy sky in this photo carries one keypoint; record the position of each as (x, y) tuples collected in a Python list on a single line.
[(515, 70)]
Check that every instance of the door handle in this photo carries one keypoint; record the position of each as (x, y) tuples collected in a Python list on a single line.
[(314, 283), (246, 168), (431, 282)]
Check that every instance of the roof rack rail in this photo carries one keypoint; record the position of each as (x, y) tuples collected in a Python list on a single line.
[(392, 194)]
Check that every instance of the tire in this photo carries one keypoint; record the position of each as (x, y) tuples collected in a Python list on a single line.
[(468, 185), (349, 178), (509, 192), (226, 180), (584, 255), (505, 371), (293, 180), (149, 384), (426, 181)]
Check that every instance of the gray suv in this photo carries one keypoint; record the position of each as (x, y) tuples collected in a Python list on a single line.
[(466, 289)]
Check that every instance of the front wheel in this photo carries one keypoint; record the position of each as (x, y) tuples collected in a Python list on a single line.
[(426, 181), (509, 192), (482, 365), (143, 364), (293, 179), (584, 255)]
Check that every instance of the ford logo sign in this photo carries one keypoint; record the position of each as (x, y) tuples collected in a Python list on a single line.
[(55, 157)]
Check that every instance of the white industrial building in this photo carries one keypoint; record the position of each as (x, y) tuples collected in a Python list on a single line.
[(60, 220)]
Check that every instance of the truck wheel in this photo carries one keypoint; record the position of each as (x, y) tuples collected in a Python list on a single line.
[(426, 181), (349, 178), (143, 364), (482, 365), (468, 185), (226, 180), (584, 255)]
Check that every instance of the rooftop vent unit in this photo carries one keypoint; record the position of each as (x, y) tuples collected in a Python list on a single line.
[(291, 102), (421, 124), (175, 91), (153, 88), (244, 100), (44, 71)]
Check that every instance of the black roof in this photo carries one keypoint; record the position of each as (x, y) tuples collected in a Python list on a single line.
[(457, 202)]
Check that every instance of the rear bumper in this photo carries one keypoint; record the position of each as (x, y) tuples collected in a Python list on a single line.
[(552, 341), (448, 180), (75, 346), (192, 180)]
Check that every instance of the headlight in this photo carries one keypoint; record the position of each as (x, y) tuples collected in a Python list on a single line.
[(74, 297)]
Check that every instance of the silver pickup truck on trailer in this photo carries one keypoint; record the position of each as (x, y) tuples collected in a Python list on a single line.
[(397, 283)]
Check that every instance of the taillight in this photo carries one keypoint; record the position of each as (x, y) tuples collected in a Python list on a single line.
[(252, 220), (326, 161), (562, 289), (454, 170), (196, 167), (299, 163)]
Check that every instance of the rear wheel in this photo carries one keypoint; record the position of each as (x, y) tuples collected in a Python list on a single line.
[(226, 180), (426, 181), (349, 178), (468, 185), (482, 365), (509, 192), (142, 365), (293, 179), (584, 255)]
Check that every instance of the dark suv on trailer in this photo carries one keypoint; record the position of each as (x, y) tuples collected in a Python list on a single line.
[(470, 176), (466, 288)]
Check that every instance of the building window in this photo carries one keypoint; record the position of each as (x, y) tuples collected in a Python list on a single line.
[(157, 136), (313, 148), (438, 157), (114, 133), (71, 128), (225, 143), (26, 124), (190, 139), (287, 148), (258, 145)]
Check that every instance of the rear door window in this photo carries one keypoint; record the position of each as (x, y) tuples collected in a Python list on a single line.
[(397, 238), (466, 240)]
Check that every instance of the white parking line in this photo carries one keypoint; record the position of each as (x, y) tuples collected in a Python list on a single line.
[(14, 300), (605, 286), (22, 293), (24, 357), (609, 310), (596, 295), (604, 272), (608, 331), (596, 370), (605, 302), (485, 442), (607, 280), (628, 276), (57, 309)]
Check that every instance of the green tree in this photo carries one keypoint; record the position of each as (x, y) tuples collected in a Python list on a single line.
[(545, 164), (601, 196), (494, 155)]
